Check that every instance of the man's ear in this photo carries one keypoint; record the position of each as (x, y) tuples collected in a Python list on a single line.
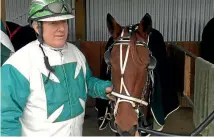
[(36, 27)]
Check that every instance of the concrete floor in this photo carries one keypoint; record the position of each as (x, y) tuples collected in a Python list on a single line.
[(178, 122)]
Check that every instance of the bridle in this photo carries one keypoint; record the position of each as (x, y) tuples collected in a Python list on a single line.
[(126, 97)]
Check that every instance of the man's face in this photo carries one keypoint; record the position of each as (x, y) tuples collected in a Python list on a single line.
[(55, 33)]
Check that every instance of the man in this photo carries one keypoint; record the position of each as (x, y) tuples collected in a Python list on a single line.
[(45, 83)]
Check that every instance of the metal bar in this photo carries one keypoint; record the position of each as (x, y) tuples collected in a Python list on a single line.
[(183, 50), (158, 133), (203, 125), (196, 132)]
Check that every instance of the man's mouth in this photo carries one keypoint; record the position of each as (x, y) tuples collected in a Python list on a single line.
[(59, 36)]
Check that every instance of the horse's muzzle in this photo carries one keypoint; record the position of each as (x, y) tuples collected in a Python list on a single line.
[(131, 131)]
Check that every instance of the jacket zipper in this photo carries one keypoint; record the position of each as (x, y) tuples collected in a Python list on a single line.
[(66, 81)]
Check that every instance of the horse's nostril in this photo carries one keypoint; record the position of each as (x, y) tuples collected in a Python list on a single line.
[(125, 133), (133, 130), (130, 132)]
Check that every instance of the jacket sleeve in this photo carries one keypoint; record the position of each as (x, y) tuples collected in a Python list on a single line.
[(96, 87), (14, 93)]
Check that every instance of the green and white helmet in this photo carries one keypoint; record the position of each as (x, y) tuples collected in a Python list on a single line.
[(49, 10)]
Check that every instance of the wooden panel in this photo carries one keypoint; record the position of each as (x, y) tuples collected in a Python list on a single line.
[(91, 50), (80, 19), (189, 71), (3, 14), (187, 76)]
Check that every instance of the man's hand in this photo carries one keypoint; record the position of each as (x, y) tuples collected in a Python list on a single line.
[(109, 89), (108, 93)]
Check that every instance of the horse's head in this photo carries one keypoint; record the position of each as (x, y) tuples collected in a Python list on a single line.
[(130, 60)]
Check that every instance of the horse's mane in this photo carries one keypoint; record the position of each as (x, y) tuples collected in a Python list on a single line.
[(109, 42), (103, 72)]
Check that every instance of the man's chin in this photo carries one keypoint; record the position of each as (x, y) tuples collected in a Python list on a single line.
[(59, 45)]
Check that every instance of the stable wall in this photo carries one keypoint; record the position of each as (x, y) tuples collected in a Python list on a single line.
[(183, 65)]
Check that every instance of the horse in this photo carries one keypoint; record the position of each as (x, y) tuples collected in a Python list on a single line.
[(206, 45), (131, 68), (145, 77), (20, 35)]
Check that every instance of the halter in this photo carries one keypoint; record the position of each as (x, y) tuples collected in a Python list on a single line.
[(121, 97), (126, 97)]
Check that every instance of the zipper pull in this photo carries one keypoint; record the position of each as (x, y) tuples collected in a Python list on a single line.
[(61, 53)]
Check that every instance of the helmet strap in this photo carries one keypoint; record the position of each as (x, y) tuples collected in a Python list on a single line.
[(41, 41), (40, 28)]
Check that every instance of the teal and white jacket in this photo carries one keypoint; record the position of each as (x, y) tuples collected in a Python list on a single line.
[(30, 107)]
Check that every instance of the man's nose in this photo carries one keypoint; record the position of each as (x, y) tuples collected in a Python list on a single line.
[(61, 28)]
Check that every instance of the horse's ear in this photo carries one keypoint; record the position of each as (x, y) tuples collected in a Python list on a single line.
[(113, 27), (145, 26)]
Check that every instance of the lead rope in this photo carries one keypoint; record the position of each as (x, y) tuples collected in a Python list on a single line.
[(106, 116)]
